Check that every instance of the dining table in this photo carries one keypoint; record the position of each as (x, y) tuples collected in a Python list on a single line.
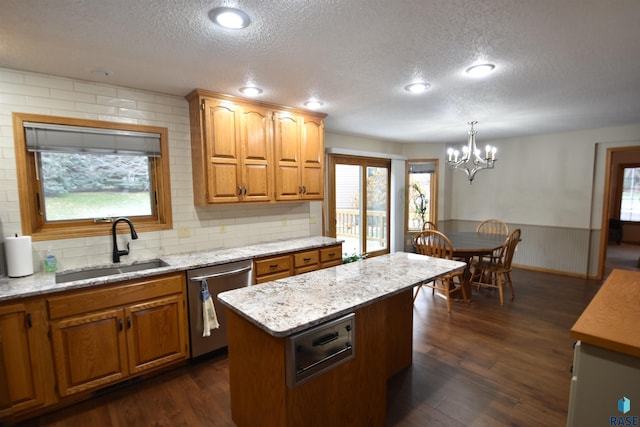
[(470, 244)]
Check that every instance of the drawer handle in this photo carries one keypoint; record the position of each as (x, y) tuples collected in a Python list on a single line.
[(332, 254), (325, 339), (306, 259), (274, 266)]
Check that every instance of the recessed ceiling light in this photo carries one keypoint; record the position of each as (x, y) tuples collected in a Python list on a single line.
[(313, 104), (229, 17), (251, 90), (480, 70), (417, 87)]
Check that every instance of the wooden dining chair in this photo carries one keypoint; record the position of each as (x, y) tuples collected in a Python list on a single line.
[(495, 274), (494, 227), (435, 244), (428, 225)]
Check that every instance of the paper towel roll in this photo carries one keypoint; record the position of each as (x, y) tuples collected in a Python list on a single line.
[(19, 256)]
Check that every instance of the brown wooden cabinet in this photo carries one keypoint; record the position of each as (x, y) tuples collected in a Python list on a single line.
[(273, 268), (306, 261), (299, 157), (249, 151), (278, 267), (234, 153), (331, 256), (24, 347), (103, 336)]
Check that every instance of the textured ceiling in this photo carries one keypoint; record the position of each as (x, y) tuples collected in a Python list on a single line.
[(561, 65)]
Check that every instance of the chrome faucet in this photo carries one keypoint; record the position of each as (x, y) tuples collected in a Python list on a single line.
[(117, 253)]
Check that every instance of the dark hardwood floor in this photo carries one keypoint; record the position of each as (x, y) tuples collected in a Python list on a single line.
[(482, 365)]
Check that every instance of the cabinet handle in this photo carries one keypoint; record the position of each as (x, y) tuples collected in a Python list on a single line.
[(299, 189), (128, 322), (245, 190), (239, 190), (304, 189), (27, 319), (120, 324)]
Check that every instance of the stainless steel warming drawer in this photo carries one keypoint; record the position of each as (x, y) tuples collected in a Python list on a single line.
[(313, 351)]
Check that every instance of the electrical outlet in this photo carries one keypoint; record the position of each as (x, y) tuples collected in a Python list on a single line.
[(284, 222), (223, 228), (184, 231), (312, 219)]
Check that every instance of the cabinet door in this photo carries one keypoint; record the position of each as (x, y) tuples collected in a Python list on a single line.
[(223, 154), (20, 354), (89, 351), (156, 333), (312, 159), (255, 138), (287, 162)]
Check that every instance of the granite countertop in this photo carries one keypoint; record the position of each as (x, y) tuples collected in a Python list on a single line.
[(286, 306), (43, 283), (611, 319)]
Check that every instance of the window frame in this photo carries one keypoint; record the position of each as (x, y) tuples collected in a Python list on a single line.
[(33, 223), (620, 190), (433, 205)]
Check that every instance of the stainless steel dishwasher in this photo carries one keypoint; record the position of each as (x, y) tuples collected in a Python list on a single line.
[(219, 278)]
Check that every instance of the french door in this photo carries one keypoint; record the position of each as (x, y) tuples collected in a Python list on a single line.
[(359, 203)]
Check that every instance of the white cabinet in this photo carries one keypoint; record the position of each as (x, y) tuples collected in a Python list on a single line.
[(601, 377)]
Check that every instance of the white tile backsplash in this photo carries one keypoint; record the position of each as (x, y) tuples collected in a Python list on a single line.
[(208, 227)]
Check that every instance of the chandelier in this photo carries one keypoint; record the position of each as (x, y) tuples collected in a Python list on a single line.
[(472, 159)]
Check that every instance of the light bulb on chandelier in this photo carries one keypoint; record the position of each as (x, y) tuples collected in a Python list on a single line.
[(472, 159)]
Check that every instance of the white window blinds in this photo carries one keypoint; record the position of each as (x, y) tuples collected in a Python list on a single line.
[(63, 138)]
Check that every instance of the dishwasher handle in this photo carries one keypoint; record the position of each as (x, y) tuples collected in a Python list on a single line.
[(221, 274)]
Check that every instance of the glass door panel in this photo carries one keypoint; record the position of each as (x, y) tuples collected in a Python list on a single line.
[(377, 206), (348, 180)]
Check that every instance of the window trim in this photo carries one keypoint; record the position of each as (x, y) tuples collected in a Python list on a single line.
[(28, 189), (433, 206), (619, 190)]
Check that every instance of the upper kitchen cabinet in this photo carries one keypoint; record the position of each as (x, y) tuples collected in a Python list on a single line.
[(248, 151), (230, 151), (299, 154)]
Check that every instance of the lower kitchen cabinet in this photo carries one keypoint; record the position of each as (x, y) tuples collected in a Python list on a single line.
[(24, 348), (100, 337), (289, 264)]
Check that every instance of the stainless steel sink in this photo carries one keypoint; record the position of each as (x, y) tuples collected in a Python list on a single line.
[(91, 273)]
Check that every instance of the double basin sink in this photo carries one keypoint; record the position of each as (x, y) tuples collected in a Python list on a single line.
[(92, 273)]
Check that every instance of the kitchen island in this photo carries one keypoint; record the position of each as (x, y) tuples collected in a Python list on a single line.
[(264, 321)]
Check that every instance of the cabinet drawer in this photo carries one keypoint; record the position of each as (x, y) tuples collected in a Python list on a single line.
[(122, 293), (332, 255), (305, 259), (269, 266), (270, 277)]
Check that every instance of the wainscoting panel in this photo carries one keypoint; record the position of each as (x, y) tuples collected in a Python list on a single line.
[(552, 249)]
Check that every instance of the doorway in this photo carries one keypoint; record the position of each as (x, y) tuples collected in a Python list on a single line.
[(614, 251), (359, 204)]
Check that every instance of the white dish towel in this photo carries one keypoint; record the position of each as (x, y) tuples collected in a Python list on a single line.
[(209, 317)]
